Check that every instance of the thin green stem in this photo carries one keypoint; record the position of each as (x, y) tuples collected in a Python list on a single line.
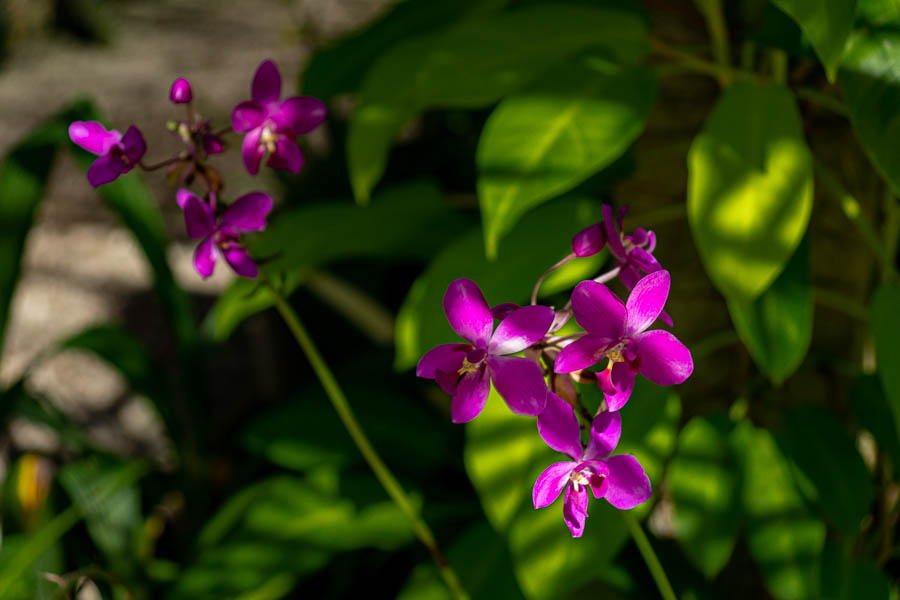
[(718, 34), (382, 473), (778, 62), (646, 550), (840, 303), (700, 64), (822, 99)]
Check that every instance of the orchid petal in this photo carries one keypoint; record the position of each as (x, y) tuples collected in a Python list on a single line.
[(598, 310), (501, 311), (183, 195), (664, 360), (213, 144), (629, 486), (266, 85), (520, 382), (575, 510), (470, 397), (582, 353), (133, 145), (622, 380), (446, 358), (240, 261), (300, 114), (589, 241), (205, 257), (558, 427), (93, 137), (468, 312), (105, 170), (246, 116), (287, 156), (605, 432), (248, 213), (646, 301), (599, 482), (612, 236), (522, 328), (199, 219), (643, 260), (251, 151), (550, 483)]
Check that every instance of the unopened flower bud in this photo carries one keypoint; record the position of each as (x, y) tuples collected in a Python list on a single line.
[(181, 91), (589, 242)]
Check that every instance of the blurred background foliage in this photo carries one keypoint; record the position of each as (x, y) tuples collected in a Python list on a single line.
[(474, 139)]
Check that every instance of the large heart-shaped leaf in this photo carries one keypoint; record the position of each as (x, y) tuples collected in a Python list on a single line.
[(545, 140), (750, 188), (826, 23)]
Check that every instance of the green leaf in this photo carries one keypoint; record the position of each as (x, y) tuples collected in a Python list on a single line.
[(777, 326), (541, 238), (847, 578), (750, 188), (705, 487), (870, 80), (884, 320), (826, 23), (541, 142), (504, 456), (868, 402), (474, 64), (391, 228), (825, 453), (878, 12), (785, 540)]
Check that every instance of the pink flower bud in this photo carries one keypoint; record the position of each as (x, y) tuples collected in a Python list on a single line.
[(589, 241), (181, 91)]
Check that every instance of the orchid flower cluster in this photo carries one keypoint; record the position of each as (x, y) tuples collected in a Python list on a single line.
[(541, 382), (270, 127)]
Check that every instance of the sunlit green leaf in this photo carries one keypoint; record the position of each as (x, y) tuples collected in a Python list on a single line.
[(884, 319), (825, 453), (543, 141), (870, 79), (705, 488), (545, 232), (750, 188), (504, 456), (473, 64), (826, 23), (784, 538), (878, 12), (777, 326)]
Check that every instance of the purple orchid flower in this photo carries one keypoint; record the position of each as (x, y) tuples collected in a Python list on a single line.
[(617, 331), (118, 153), (466, 370), (247, 213), (272, 125), (619, 479)]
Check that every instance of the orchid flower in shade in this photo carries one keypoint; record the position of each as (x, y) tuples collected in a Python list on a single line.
[(617, 331), (466, 370), (247, 213), (118, 153), (619, 479), (272, 125)]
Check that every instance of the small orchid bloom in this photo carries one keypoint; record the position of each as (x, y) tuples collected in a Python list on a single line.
[(617, 331), (118, 153), (466, 370), (181, 93), (247, 213), (272, 125), (619, 479)]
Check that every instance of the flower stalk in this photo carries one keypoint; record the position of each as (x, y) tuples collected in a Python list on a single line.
[(649, 556)]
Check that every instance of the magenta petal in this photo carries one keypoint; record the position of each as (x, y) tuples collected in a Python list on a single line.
[(183, 195), (133, 145), (612, 236), (522, 328), (246, 116), (105, 170), (248, 213), (605, 432), (93, 137), (287, 156), (575, 510), (520, 382), (300, 114), (501, 311), (251, 151), (468, 312), (205, 257), (589, 242), (644, 260), (646, 301), (628, 484), (446, 358), (664, 360), (180, 92), (471, 394), (199, 219), (558, 427), (213, 144), (266, 83), (622, 381), (598, 310), (598, 480), (550, 483), (240, 261), (582, 353)]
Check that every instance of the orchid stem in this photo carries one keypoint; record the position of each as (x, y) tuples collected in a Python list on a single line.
[(537, 285), (382, 473), (161, 164), (646, 550)]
